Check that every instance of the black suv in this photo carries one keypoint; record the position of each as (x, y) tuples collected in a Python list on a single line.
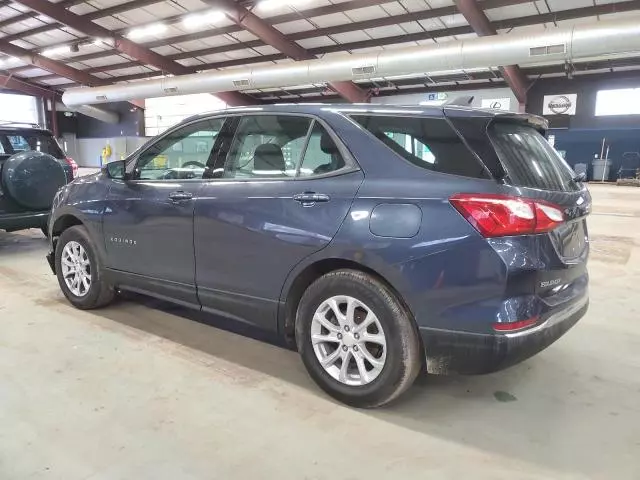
[(32, 169)]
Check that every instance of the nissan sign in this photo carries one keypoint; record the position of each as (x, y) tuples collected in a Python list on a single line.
[(560, 104)]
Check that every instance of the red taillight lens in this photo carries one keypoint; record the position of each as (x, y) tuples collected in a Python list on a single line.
[(74, 165), (503, 215), (515, 326)]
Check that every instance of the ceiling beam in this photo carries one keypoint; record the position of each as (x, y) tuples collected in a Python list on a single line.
[(17, 84), (49, 65), (478, 20), (123, 44), (274, 20), (275, 38)]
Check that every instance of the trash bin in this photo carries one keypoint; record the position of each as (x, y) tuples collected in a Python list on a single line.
[(601, 170)]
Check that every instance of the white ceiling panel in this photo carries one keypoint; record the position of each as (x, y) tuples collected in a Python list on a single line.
[(56, 81), (107, 3), (315, 42), (348, 37), (330, 20), (200, 44), (456, 20), (34, 73), (110, 23), (388, 31), (129, 71), (431, 24), (101, 62), (295, 26), (512, 11), (82, 9), (242, 36), (190, 62), (166, 50), (393, 8), (266, 50), (411, 27), (557, 5), (214, 58), (415, 5), (367, 13), (241, 53), (139, 16)]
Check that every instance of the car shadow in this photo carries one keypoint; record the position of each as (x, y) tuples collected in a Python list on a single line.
[(533, 412)]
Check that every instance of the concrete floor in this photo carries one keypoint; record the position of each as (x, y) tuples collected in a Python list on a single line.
[(133, 392)]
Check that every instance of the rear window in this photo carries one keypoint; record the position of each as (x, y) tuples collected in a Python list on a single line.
[(529, 160), (11, 143), (517, 153), (428, 143)]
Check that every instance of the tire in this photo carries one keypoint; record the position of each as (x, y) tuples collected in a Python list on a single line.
[(400, 357), (32, 179), (99, 293), (45, 231)]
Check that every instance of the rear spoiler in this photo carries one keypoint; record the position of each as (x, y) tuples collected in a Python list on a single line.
[(539, 123)]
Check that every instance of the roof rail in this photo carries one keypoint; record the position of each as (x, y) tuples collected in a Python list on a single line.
[(7, 123)]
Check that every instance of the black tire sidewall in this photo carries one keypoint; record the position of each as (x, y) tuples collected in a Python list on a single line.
[(93, 298), (394, 320)]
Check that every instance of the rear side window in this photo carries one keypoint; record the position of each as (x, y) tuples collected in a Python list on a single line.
[(27, 141), (428, 143), (528, 158)]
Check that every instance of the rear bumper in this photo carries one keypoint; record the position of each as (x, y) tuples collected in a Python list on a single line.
[(21, 221), (470, 353)]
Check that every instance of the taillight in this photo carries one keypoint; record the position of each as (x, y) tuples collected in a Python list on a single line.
[(503, 215), (515, 326), (74, 166)]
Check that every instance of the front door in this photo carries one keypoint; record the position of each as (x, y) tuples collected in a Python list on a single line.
[(285, 189), (148, 221)]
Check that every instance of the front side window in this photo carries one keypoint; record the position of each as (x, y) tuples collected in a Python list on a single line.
[(182, 154), (428, 143), (267, 146)]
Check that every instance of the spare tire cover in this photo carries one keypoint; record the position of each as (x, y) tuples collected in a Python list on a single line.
[(32, 179)]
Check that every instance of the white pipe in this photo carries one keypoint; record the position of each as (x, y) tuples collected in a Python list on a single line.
[(555, 46), (91, 111)]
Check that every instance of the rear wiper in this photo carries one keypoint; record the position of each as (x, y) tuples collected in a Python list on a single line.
[(579, 178)]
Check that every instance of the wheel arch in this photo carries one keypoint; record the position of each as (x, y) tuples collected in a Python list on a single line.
[(309, 274), (63, 222)]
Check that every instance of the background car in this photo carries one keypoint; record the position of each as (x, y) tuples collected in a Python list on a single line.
[(32, 168), (382, 241)]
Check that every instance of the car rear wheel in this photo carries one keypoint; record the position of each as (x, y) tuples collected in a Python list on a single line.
[(356, 339), (79, 270)]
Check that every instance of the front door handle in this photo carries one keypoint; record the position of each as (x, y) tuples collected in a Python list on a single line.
[(180, 196), (308, 199)]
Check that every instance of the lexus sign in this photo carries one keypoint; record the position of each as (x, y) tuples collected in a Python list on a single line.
[(560, 104)]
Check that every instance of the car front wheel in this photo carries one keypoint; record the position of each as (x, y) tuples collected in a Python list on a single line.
[(79, 270), (356, 339)]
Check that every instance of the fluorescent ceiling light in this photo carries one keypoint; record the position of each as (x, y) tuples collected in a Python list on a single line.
[(273, 4), (147, 31), (49, 52), (198, 20)]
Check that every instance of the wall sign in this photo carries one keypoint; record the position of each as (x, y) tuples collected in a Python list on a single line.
[(560, 104), (496, 103)]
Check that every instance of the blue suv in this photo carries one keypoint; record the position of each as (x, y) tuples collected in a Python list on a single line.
[(383, 241)]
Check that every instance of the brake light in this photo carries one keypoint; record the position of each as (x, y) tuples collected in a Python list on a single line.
[(503, 215), (74, 166), (515, 326)]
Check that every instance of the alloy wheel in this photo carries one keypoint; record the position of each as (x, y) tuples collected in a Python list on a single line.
[(76, 268), (348, 340)]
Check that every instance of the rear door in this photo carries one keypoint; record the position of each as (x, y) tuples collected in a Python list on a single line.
[(286, 186)]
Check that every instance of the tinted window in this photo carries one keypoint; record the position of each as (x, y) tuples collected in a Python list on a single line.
[(322, 154), (182, 154), (27, 141), (428, 143), (267, 146), (528, 158)]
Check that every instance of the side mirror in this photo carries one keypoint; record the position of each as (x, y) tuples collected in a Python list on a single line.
[(116, 170)]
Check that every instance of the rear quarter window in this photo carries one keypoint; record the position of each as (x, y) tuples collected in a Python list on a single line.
[(428, 143)]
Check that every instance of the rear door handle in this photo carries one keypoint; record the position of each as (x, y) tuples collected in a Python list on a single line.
[(180, 196), (309, 199)]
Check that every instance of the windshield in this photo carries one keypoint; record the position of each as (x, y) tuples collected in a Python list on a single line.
[(529, 160)]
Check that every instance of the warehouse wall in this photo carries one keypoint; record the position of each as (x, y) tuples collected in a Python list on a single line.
[(581, 135)]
